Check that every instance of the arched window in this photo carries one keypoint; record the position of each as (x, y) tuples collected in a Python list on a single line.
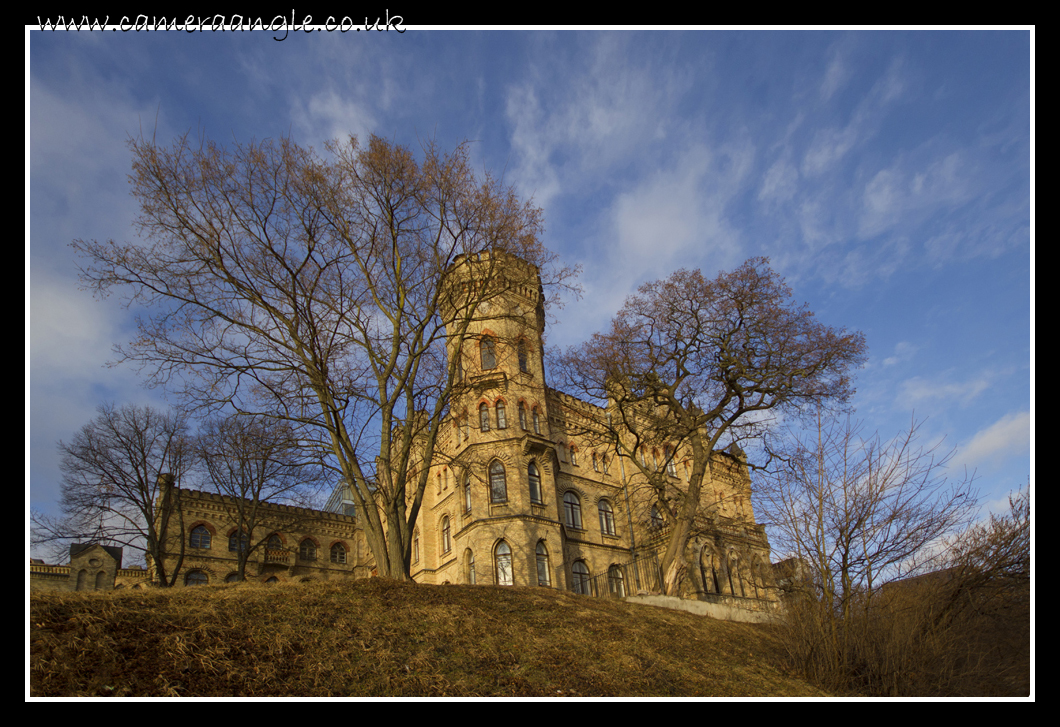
[(574, 456), (535, 483), (581, 583), (307, 550), (489, 353), (232, 578), (603, 458), (503, 564), (537, 421), (469, 566), (447, 541), (543, 578), (572, 511), (416, 545), (607, 518), (101, 580), (274, 543), (200, 537), (502, 420), (656, 518), (522, 416), (238, 541), (616, 582), (484, 417), (196, 578), (670, 468), (498, 484), (338, 553), (596, 463), (524, 360), (467, 493)]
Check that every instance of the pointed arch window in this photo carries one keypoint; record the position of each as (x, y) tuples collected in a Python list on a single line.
[(522, 417), (200, 537), (467, 493), (671, 469), (502, 419), (338, 553), (238, 541), (447, 539), (484, 417), (489, 354), (537, 421), (307, 550), (535, 483), (498, 483), (574, 456), (503, 564)]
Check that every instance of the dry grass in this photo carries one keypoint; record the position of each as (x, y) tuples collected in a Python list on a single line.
[(383, 638)]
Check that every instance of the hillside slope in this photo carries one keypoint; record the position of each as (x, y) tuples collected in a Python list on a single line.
[(383, 638)]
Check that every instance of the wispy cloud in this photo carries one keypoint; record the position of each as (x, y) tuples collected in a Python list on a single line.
[(1008, 436)]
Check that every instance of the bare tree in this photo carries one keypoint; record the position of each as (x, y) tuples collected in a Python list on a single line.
[(322, 292), (115, 485), (689, 365), (258, 462), (864, 514)]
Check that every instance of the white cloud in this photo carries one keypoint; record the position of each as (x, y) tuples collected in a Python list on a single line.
[(903, 351), (917, 390), (1009, 435)]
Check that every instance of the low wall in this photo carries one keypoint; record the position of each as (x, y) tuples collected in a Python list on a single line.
[(724, 612)]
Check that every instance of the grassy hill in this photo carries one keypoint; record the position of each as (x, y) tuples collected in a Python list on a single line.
[(382, 638)]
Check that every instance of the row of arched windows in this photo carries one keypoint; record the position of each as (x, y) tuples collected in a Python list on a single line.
[(201, 538), (486, 419)]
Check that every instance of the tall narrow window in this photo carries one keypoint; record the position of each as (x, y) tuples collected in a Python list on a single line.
[(502, 419), (656, 518), (447, 541), (572, 511), (524, 360), (467, 493), (470, 567), (543, 578), (596, 463), (574, 456), (489, 354), (503, 564), (522, 416), (537, 422), (607, 518), (616, 582), (581, 584), (484, 417), (670, 468), (498, 485), (535, 483), (416, 545)]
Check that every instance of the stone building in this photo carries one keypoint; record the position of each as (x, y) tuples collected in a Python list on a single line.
[(519, 493)]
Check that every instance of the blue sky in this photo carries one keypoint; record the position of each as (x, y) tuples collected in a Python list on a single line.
[(887, 174)]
